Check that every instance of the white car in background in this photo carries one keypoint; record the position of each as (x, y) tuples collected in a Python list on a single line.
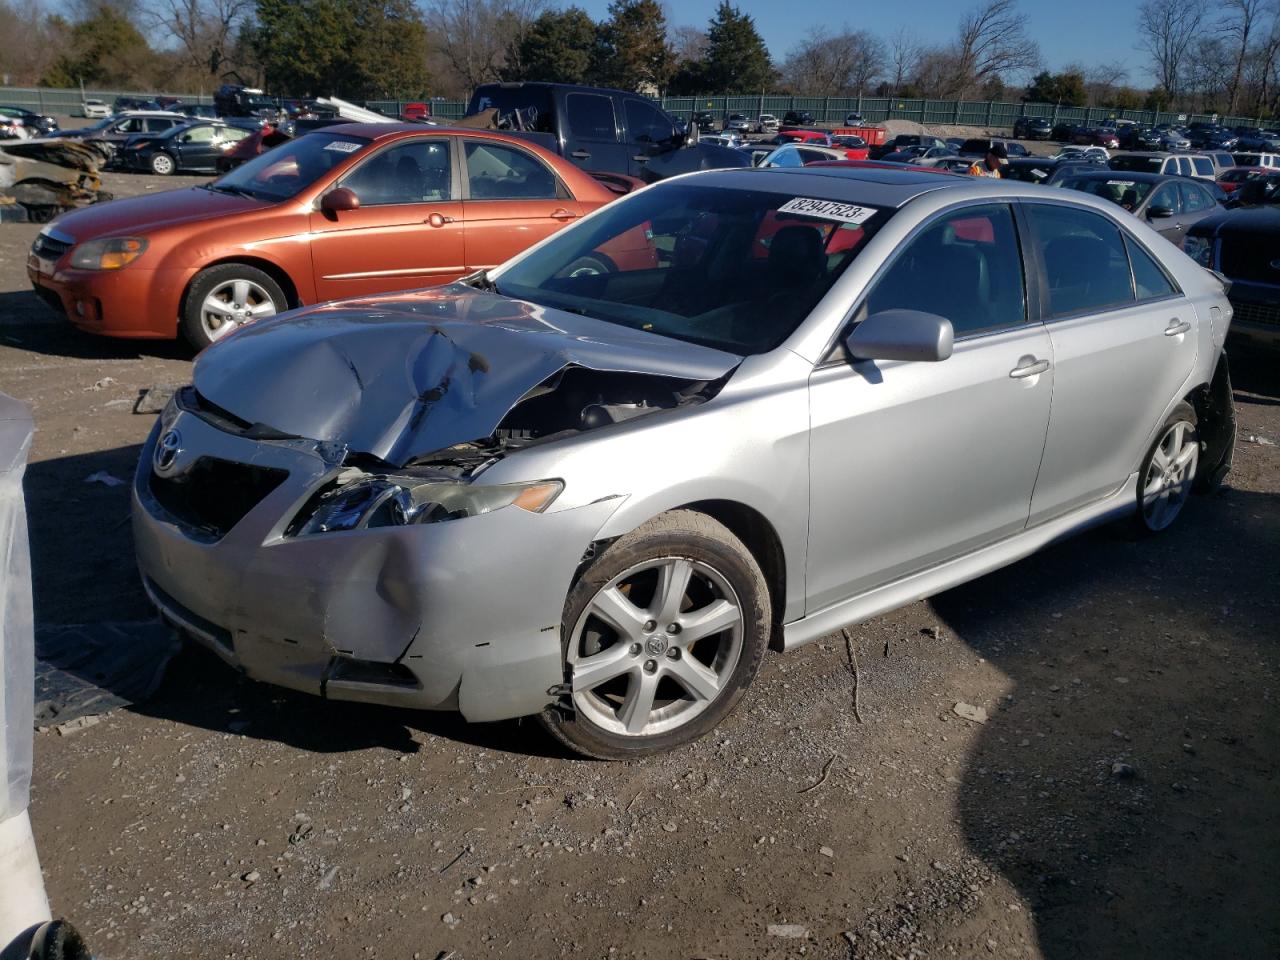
[(1094, 154), (94, 110)]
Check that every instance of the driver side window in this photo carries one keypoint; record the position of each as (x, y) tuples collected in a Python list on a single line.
[(415, 172), (965, 266)]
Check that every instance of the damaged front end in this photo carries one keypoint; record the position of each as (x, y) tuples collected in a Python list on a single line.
[(45, 177), (315, 508)]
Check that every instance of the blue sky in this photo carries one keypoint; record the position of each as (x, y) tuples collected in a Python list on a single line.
[(1089, 31)]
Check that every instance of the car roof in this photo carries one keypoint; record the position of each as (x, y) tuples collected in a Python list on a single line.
[(1135, 175), (149, 113), (883, 186)]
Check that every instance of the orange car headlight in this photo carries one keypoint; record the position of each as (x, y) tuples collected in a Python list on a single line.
[(109, 253)]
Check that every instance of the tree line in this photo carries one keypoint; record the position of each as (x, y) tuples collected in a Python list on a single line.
[(1222, 56)]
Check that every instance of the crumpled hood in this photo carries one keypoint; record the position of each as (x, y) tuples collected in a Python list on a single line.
[(407, 374)]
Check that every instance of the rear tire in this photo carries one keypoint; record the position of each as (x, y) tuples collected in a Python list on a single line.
[(1168, 472), (162, 164), (662, 634)]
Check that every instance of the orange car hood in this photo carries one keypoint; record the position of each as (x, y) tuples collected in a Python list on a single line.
[(403, 375), (138, 215)]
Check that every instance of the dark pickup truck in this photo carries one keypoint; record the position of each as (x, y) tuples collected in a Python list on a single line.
[(600, 130)]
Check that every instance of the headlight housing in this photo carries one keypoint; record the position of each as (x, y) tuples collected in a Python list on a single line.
[(1199, 249), (109, 253), (401, 500)]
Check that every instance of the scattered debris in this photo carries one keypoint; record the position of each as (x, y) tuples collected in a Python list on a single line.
[(101, 384), (104, 478), (826, 851), (1260, 440), (1123, 771), (79, 723), (253, 876), (327, 880), (154, 399), (852, 653), (967, 711), (792, 931), (826, 769)]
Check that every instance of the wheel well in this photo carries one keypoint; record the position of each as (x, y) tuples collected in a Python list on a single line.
[(757, 533), (266, 266)]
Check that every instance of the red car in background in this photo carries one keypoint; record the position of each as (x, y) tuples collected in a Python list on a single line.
[(1096, 137), (415, 112), (340, 212), (1232, 179)]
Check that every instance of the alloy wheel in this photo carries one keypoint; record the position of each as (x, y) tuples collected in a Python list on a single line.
[(655, 647), (1169, 476), (232, 303)]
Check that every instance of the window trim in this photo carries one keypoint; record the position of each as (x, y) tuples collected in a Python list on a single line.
[(464, 178), (834, 353), (1046, 317), (392, 145), (1130, 239)]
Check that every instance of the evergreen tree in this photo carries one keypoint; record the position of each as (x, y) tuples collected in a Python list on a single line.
[(558, 48), (632, 52), (737, 60)]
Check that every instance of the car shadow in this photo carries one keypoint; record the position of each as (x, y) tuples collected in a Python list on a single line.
[(82, 571), (1125, 782), (27, 323)]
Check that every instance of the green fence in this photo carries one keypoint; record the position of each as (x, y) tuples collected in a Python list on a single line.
[(973, 113)]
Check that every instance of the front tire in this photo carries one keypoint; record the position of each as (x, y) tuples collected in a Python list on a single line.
[(662, 635), (223, 297), (1168, 471), (162, 164)]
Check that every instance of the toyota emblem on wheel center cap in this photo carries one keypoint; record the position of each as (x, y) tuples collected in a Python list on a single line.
[(167, 450)]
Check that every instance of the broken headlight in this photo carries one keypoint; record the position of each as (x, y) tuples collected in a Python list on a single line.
[(392, 501), (109, 253)]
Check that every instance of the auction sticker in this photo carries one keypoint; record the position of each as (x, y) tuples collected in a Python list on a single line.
[(343, 146), (828, 209)]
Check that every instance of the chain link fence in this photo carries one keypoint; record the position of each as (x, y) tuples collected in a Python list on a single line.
[(974, 113)]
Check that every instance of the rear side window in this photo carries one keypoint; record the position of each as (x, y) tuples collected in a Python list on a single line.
[(1151, 281), (1194, 198), (1085, 263), (1203, 165), (497, 171), (966, 267), (1184, 167), (646, 123), (1167, 196), (591, 116)]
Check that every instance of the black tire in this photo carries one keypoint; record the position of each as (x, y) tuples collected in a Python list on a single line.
[(597, 265), (163, 165), (191, 324), (1147, 521), (685, 534)]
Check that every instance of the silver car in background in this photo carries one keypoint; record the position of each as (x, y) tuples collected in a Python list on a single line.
[(733, 410)]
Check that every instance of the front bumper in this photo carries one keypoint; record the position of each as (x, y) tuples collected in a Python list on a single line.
[(132, 302), (458, 615), (1256, 313)]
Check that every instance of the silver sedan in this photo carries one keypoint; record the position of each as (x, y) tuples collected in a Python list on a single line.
[(733, 410)]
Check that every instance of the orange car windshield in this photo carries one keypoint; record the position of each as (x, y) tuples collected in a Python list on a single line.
[(288, 169)]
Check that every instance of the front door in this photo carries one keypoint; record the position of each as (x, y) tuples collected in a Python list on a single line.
[(513, 200), (914, 463), (649, 132), (1124, 340), (1167, 197), (407, 231)]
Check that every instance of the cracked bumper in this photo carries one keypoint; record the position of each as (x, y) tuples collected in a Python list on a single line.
[(459, 615)]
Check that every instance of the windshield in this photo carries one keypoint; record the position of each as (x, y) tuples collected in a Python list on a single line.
[(1136, 163), (733, 269), (286, 170), (1125, 193)]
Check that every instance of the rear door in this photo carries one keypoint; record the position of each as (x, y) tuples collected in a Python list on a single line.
[(1123, 343), (511, 200), (592, 134), (408, 230)]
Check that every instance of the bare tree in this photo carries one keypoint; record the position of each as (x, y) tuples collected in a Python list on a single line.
[(835, 65), (1238, 27), (688, 42), (1102, 80), (25, 62), (993, 42), (904, 57), (1166, 29), (473, 36), (205, 30)]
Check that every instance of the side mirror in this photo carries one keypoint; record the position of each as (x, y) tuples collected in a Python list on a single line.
[(339, 199), (1159, 213), (901, 335), (186, 138)]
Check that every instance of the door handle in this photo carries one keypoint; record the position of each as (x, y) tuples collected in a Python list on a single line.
[(1029, 367), (1176, 327), (580, 155), (562, 214), (640, 159), (438, 220)]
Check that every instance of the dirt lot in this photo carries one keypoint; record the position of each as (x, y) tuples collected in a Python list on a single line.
[(225, 819)]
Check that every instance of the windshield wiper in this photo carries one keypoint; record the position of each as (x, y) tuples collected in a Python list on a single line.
[(229, 188), (480, 280)]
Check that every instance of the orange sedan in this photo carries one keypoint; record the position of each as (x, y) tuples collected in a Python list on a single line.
[(342, 211)]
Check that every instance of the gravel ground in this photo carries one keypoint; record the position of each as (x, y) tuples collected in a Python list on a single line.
[(1120, 800)]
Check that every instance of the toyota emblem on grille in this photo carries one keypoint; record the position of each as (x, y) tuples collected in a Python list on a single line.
[(167, 451)]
